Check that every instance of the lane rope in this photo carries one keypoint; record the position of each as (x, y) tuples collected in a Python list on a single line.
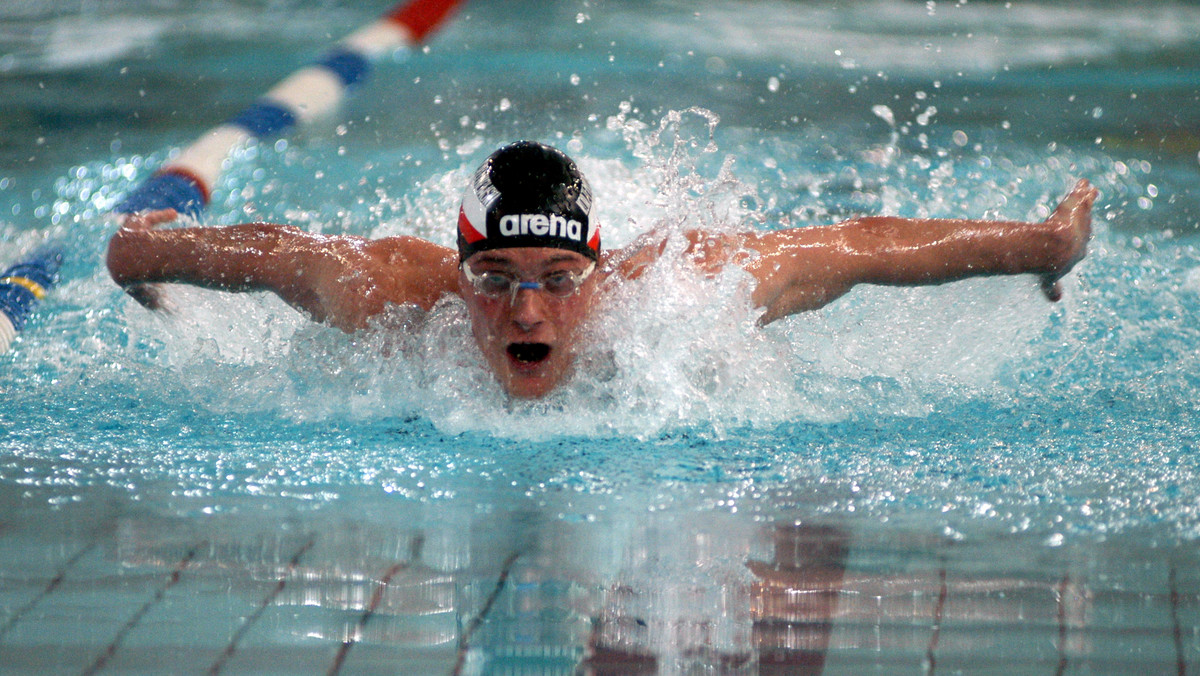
[(185, 183), (22, 286)]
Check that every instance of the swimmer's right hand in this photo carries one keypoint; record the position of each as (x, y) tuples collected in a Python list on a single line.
[(151, 296)]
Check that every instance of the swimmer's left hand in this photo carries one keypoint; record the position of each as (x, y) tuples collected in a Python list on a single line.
[(1071, 226)]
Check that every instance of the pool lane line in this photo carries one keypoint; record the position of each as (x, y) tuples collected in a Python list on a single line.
[(415, 548), (59, 576), (464, 639), (1176, 629), (136, 619), (253, 618), (938, 612), (185, 183)]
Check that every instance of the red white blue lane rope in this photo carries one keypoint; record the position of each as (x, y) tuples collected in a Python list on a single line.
[(185, 183)]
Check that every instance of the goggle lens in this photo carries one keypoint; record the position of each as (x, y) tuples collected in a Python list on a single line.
[(560, 284)]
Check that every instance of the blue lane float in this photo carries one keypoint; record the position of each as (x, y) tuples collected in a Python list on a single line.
[(313, 92), (22, 286)]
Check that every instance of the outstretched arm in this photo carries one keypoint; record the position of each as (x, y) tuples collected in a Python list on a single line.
[(806, 268), (336, 279)]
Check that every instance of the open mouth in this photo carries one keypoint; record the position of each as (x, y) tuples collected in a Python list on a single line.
[(528, 353)]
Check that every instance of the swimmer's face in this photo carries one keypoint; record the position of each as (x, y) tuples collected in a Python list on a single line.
[(529, 341)]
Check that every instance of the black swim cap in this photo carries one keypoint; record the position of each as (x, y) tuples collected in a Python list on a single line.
[(527, 194)]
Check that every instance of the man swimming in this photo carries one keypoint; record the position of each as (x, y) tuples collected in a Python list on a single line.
[(530, 268)]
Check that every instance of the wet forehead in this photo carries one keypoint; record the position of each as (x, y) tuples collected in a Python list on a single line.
[(526, 258)]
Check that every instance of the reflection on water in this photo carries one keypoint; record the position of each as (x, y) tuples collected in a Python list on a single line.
[(514, 591), (753, 616)]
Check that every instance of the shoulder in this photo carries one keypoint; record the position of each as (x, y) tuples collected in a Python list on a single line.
[(410, 270), (360, 278), (406, 251)]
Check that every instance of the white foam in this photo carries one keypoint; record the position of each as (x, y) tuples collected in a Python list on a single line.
[(673, 350), (1191, 281)]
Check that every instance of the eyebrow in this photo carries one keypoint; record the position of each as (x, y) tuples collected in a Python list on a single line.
[(565, 258)]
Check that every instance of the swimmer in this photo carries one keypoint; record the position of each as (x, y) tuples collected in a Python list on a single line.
[(530, 268)]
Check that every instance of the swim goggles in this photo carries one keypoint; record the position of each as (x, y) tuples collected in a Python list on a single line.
[(494, 284)]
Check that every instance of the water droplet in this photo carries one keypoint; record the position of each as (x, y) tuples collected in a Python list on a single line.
[(884, 113)]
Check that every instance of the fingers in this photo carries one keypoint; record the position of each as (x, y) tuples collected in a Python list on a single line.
[(1076, 207), (1079, 203), (1084, 189), (1089, 191)]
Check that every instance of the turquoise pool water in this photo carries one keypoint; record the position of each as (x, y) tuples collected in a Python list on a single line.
[(964, 479)]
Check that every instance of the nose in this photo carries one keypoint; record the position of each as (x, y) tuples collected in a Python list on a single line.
[(528, 308)]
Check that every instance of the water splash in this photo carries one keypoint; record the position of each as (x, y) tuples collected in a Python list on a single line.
[(677, 383), (673, 350)]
